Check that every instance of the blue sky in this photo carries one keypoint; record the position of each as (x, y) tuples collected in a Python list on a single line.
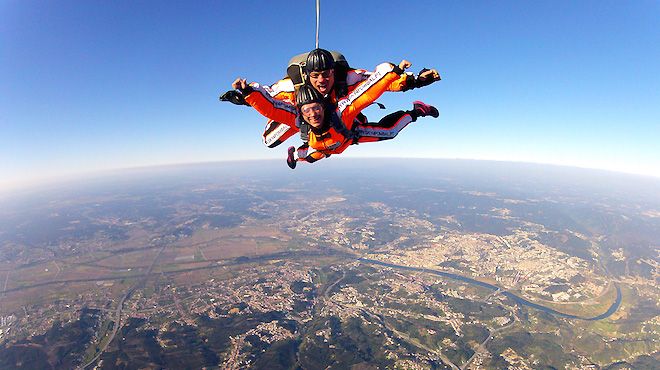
[(94, 85)]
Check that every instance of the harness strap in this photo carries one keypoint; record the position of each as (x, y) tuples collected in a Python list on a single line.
[(338, 125)]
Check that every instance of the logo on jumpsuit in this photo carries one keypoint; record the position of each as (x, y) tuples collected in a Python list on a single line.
[(276, 134)]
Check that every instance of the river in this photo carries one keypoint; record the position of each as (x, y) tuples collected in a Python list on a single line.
[(520, 300)]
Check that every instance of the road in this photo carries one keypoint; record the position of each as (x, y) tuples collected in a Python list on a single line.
[(119, 309), (418, 344), (4, 290), (482, 347), (233, 261), (410, 340)]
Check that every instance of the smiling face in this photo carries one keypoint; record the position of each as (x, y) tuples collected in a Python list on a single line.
[(313, 114), (323, 81)]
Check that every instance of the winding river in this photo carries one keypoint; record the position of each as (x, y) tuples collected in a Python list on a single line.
[(520, 300)]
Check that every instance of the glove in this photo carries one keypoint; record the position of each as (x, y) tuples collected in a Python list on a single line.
[(234, 97), (426, 77)]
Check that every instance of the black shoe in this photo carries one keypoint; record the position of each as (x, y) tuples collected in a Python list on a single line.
[(290, 159)]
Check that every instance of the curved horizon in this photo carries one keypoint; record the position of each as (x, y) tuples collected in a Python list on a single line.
[(9, 186)]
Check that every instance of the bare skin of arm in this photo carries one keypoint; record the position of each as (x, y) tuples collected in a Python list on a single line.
[(239, 84)]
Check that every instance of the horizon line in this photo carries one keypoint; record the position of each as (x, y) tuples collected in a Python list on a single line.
[(18, 185)]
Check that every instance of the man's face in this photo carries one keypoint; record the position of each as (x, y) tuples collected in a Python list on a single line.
[(323, 81), (313, 114)]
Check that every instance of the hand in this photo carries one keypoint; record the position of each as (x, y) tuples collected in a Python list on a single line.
[(239, 84), (429, 73), (404, 65), (425, 77)]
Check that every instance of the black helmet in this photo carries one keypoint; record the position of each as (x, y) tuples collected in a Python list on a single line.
[(307, 94), (319, 60)]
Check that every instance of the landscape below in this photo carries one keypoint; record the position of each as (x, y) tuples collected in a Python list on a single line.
[(359, 264)]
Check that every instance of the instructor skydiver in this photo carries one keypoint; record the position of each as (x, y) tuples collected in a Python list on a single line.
[(332, 79)]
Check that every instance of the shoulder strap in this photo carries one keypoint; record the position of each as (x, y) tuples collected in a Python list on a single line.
[(338, 125), (304, 129)]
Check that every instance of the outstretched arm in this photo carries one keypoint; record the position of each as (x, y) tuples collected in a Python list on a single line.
[(367, 91), (409, 81), (355, 76), (260, 98)]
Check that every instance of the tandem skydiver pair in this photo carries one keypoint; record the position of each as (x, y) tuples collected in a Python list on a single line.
[(322, 98)]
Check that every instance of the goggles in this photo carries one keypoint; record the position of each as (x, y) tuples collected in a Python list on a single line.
[(325, 74), (309, 109)]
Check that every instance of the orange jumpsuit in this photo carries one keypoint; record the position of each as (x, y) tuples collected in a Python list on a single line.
[(283, 90), (339, 129)]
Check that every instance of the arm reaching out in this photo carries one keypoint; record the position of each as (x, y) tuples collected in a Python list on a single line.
[(260, 98)]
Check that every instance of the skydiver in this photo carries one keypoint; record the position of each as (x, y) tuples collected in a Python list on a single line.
[(332, 128), (334, 79)]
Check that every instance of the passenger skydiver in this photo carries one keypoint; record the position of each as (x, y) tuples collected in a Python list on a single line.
[(333, 127)]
